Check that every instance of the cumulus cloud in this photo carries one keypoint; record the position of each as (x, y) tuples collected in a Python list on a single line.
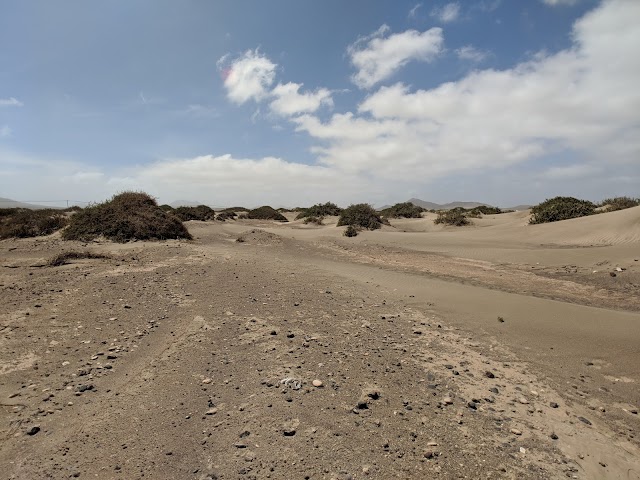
[(247, 77), (10, 102), (378, 56), (471, 53), (582, 100), (447, 13), (289, 101)]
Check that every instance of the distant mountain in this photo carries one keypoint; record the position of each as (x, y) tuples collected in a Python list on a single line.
[(519, 207), (185, 203), (445, 206), (8, 203)]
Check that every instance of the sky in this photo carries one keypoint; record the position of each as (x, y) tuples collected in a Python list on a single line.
[(291, 103)]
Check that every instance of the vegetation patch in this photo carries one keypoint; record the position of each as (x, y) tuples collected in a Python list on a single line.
[(320, 210), (234, 210), (266, 213), (486, 210), (561, 208), (24, 223), (350, 231), (223, 216), (619, 203), (201, 212), (167, 208), (314, 220), (454, 217), (403, 210), (360, 215), (65, 257), (127, 216)]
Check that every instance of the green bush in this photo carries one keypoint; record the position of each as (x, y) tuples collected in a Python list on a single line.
[(266, 213), (314, 220), (619, 203), (167, 208), (485, 210), (24, 222), (560, 208), (350, 231), (455, 217), (234, 210), (360, 215), (222, 216), (403, 210), (127, 216), (320, 210), (201, 212)]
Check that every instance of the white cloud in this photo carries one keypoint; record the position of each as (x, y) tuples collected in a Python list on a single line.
[(571, 172), (583, 100), (10, 102), (5, 131), (288, 101), (555, 3), (471, 53), (377, 56), (248, 77), (414, 10), (447, 13)]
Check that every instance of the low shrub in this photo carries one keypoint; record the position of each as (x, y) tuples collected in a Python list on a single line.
[(73, 208), (167, 208), (350, 231), (266, 213), (314, 220), (222, 216), (360, 215), (234, 210), (127, 216), (24, 223), (201, 212), (561, 208), (619, 203), (486, 210), (63, 258), (454, 217), (403, 210), (320, 210)]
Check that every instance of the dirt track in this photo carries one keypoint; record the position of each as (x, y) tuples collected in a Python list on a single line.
[(196, 360)]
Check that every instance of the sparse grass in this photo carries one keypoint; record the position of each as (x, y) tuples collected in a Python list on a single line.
[(360, 215), (266, 213), (127, 216), (403, 210), (561, 208), (619, 203), (201, 212), (63, 258), (24, 223), (314, 220), (351, 231), (454, 217), (320, 210)]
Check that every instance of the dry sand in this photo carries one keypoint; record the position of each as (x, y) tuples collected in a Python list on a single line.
[(197, 359)]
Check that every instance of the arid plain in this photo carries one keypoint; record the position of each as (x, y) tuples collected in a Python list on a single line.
[(498, 350)]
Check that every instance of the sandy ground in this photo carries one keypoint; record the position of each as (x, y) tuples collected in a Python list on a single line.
[(500, 350)]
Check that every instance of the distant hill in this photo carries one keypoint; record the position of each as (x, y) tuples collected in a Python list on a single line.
[(519, 207), (445, 206), (8, 203), (185, 203)]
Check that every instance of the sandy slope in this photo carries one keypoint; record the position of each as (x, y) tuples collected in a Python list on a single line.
[(196, 359)]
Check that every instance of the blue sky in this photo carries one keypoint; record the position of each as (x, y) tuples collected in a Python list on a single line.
[(292, 103)]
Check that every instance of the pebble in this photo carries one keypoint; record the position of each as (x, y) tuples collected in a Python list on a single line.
[(584, 420), (515, 431), (317, 383), (447, 400), (472, 405), (553, 405), (429, 454), (523, 400), (489, 374), (554, 436), (206, 381), (33, 430)]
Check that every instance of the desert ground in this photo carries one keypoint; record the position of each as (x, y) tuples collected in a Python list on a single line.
[(498, 350)]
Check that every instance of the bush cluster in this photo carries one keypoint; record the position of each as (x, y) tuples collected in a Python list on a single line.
[(561, 208), (266, 213), (127, 216), (403, 210), (360, 215), (24, 222), (320, 210), (619, 203), (201, 212), (314, 220), (455, 217), (350, 231)]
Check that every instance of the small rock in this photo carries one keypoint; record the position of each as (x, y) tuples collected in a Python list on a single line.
[(515, 431), (523, 400), (211, 411), (553, 405), (494, 390), (584, 420), (489, 374), (429, 454), (447, 400), (207, 381), (472, 405), (33, 430), (317, 383), (553, 436)]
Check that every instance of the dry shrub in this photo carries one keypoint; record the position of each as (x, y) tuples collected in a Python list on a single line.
[(454, 217), (320, 210), (360, 215), (23, 222), (127, 216), (314, 220), (266, 213), (403, 210), (561, 208), (63, 258), (201, 212)]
